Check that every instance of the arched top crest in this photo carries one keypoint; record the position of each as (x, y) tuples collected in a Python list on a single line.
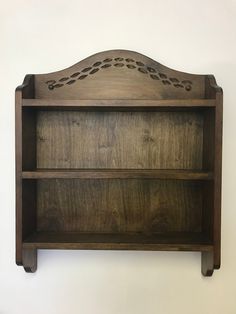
[(119, 74)]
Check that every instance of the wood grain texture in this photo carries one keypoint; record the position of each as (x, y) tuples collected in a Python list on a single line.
[(119, 152), (208, 139), (29, 211), (113, 241), (147, 80), (117, 103), (141, 140), (119, 206), (117, 174), (213, 261), (218, 93), (26, 90)]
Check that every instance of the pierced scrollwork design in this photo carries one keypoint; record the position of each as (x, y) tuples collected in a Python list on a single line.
[(120, 62)]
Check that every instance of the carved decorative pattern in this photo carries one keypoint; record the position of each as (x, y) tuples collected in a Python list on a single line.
[(119, 62)]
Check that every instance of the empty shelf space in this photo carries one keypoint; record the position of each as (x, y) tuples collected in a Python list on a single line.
[(75, 139), (118, 103), (132, 241), (117, 174)]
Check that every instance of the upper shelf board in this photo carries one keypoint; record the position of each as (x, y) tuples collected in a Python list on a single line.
[(121, 103)]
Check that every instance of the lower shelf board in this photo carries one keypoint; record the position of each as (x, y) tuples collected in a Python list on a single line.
[(132, 241)]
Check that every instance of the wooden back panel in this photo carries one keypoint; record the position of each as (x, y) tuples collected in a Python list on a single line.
[(119, 74), (138, 140)]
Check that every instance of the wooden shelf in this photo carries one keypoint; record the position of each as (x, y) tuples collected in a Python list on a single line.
[(118, 152), (118, 103), (108, 241), (117, 174)]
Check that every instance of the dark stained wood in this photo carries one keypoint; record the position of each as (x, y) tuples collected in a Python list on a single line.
[(140, 140), (118, 152), (28, 139), (208, 208), (208, 138), (26, 90), (117, 103), (135, 76), (117, 174), (208, 187), (207, 263), (109, 241), (18, 147), (113, 205), (29, 210), (215, 92), (29, 259), (218, 93)]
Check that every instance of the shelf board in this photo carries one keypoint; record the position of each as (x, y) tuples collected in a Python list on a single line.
[(117, 174), (162, 242), (120, 103)]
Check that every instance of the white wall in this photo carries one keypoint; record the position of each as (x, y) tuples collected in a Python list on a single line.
[(44, 36)]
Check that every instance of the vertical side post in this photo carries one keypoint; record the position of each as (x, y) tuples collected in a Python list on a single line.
[(26, 90), (212, 260)]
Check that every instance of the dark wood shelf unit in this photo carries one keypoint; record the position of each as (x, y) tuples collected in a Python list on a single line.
[(118, 152)]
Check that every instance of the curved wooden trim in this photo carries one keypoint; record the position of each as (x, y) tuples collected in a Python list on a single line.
[(98, 54), (119, 74), (212, 88), (120, 62), (28, 84), (214, 84)]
